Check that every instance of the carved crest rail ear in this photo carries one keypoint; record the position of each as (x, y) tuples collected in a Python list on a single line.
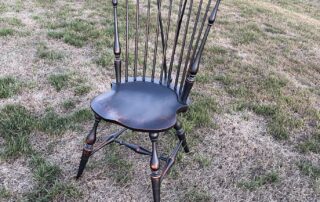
[(158, 77)]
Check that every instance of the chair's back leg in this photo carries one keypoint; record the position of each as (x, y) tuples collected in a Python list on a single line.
[(182, 136), (155, 165), (88, 147)]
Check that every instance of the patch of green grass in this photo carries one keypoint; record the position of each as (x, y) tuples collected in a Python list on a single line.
[(174, 172), (277, 127), (8, 86), (68, 104), (4, 194), (45, 2), (6, 32), (274, 84), (272, 29), (82, 90), (239, 91), (57, 192), (196, 195), (312, 144), (224, 79), (43, 52), (12, 21), (53, 123), (120, 170), (265, 110), (36, 17), (249, 11), (105, 60), (217, 60), (204, 78), (18, 6), (59, 81), (202, 161), (200, 112), (280, 123), (74, 39), (3, 7), (76, 32), (82, 115), (249, 33), (240, 105), (259, 181), (307, 168), (49, 188), (16, 123), (44, 172), (55, 34), (217, 50)]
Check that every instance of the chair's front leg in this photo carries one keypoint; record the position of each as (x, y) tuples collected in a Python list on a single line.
[(182, 136), (155, 165), (88, 147)]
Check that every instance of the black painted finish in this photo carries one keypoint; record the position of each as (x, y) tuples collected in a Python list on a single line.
[(194, 65), (141, 106), (181, 136), (154, 166), (88, 146), (146, 102)]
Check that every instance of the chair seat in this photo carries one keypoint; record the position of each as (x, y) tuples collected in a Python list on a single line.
[(139, 105)]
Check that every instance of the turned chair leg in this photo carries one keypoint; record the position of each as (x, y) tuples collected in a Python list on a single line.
[(182, 136), (88, 147), (155, 165)]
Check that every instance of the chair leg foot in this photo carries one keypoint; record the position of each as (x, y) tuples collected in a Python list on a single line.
[(182, 136), (83, 163), (88, 147), (155, 180), (155, 165)]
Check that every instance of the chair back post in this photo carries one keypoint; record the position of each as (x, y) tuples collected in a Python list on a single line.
[(194, 65), (116, 47)]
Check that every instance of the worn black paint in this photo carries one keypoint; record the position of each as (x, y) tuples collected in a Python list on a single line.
[(146, 103)]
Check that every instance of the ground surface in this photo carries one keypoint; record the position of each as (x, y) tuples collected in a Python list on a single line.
[(253, 128)]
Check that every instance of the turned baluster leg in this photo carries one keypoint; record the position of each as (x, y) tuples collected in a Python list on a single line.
[(155, 165), (88, 147), (182, 136)]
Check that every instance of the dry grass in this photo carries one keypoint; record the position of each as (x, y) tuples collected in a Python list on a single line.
[(254, 127)]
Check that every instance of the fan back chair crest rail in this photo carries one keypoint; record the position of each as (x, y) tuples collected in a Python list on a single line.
[(150, 103)]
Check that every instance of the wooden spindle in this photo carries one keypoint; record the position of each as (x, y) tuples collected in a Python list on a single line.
[(179, 22), (163, 66), (164, 61), (190, 47), (145, 62), (193, 70), (155, 48), (116, 47), (200, 30), (136, 48), (127, 41), (183, 45), (171, 160)]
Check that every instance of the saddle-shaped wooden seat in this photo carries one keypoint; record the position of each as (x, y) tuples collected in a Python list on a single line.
[(139, 105)]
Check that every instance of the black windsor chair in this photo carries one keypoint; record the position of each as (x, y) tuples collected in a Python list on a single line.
[(151, 103)]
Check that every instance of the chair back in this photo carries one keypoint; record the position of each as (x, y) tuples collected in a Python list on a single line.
[(163, 41)]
